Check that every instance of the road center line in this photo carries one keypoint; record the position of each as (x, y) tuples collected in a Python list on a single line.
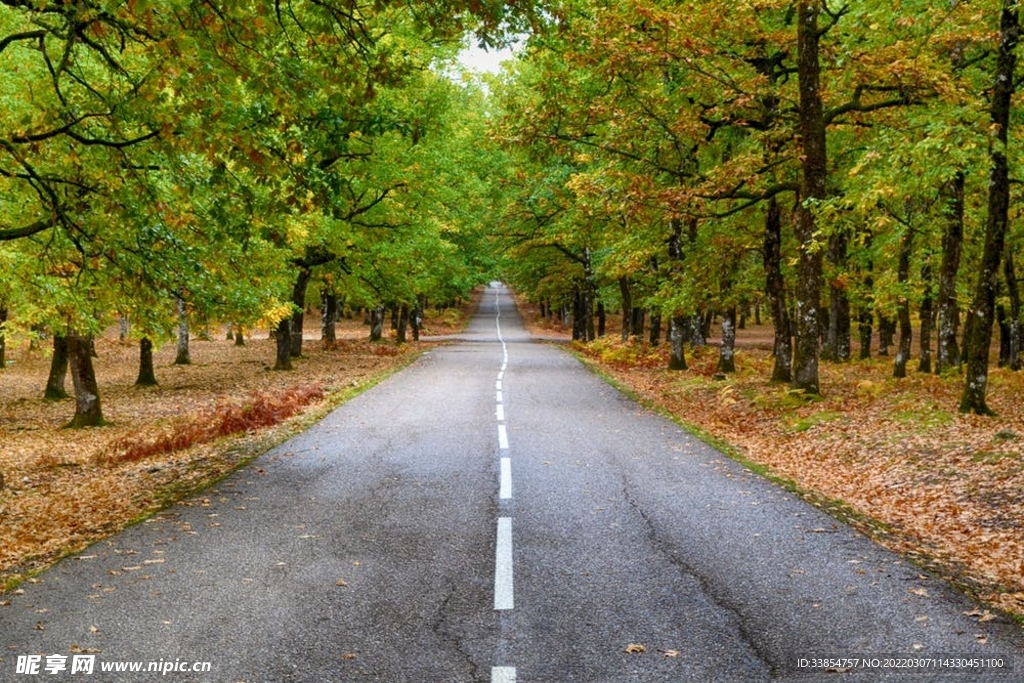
[(503, 593), (503, 674), (498, 396), (500, 412), (502, 438), (505, 490)]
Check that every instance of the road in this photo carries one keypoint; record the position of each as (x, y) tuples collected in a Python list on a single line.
[(494, 513)]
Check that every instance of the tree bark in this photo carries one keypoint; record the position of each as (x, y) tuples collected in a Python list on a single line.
[(775, 289), (654, 337), (147, 375), (866, 331), (88, 412), (636, 325), (3, 337), (983, 307), (837, 339), (298, 320), (903, 306), (183, 356), (926, 312), (1013, 322), (886, 331), (55, 390), (627, 308), (283, 339), (727, 351), (952, 246), (377, 324), (328, 316), (813, 176), (403, 324), (677, 334), (677, 322)]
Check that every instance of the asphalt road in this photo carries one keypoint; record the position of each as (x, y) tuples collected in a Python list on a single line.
[(495, 513)]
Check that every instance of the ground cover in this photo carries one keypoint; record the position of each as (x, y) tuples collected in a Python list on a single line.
[(64, 488), (893, 457)]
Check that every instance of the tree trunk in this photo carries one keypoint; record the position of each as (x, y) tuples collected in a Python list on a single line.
[(813, 175), (3, 337), (677, 322), (183, 356), (602, 319), (147, 375), (886, 332), (579, 326), (328, 316), (782, 346), (983, 308), (1013, 294), (655, 334), (377, 324), (952, 246), (677, 334), (695, 331), (402, 324), (239, 335), (636, 325), (926, 312), (837, 339), (58, 369), (727, 351), (87, 394), (283, 339), (627, 308), (866, 332), (299, 315), (903, 305), (416, 320)]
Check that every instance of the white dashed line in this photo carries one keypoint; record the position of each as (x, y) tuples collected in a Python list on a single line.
[(503, 674), (505, 489), (503, 567), (503, 593)]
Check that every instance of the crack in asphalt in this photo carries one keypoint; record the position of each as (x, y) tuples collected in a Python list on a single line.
[(440, 629), (671, 554)]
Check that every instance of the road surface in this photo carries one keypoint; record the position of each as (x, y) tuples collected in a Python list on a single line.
[(495, 513)]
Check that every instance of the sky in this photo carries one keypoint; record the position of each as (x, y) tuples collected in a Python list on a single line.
[(483, 61)]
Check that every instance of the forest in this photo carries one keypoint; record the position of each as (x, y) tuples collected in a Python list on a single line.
[(844, 169)]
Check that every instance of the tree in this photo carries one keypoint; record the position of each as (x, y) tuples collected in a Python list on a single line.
[(982, 311)]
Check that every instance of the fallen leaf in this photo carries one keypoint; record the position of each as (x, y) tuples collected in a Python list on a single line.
[(341, 582), (671, 653), (636, 648), (923, 592)]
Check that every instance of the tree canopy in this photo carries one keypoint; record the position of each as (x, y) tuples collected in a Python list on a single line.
[(842, 165)]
